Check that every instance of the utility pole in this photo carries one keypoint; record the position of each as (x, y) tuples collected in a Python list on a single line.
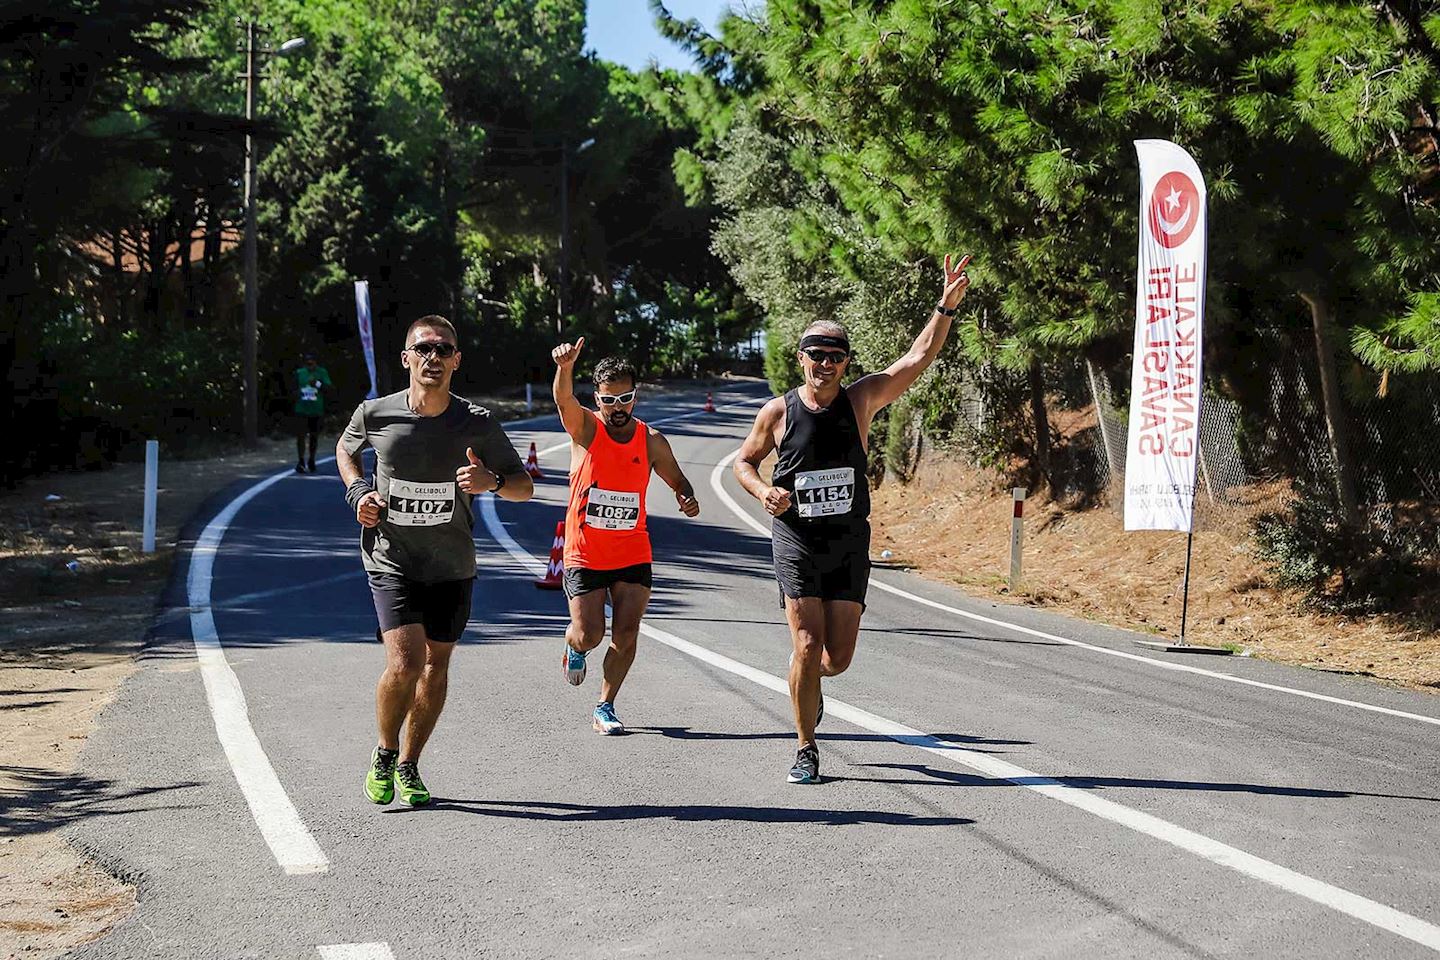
[(252, 323), (564, 236), (565, 228)]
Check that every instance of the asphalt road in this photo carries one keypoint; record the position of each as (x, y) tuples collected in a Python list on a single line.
[(1049, 791)]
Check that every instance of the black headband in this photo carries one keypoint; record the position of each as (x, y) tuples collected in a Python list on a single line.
[(824, 340)]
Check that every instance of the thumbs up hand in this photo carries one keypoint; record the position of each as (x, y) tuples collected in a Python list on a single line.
[(566, 354), (476, 477)]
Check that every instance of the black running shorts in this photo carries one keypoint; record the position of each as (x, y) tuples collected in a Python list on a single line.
[(442, 608), (834, 565), (579, 580)]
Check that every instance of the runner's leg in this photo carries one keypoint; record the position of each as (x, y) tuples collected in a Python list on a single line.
[(587, 621), (842, 629), (395, 693), (628, 602), (429, 700), (807, 633), (314, 431)]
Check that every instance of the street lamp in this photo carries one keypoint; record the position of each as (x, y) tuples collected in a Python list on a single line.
[(565, 227), (251, 256)]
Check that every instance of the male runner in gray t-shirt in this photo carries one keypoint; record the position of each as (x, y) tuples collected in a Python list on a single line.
[(433, 452)]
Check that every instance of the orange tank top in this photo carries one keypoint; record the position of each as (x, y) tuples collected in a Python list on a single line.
[(605, 521)]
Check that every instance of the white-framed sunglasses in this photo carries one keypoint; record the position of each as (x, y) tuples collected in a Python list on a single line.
[(610, 400)]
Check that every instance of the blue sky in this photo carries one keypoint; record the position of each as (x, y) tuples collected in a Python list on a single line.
[(624, 32)]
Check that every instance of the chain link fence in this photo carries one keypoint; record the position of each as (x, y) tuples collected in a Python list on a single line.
[(1263, 438), (1256, 458)]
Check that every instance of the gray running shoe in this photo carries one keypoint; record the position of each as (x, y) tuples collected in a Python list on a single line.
[(807, 766)]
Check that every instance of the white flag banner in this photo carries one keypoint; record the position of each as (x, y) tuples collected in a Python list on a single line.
[(367, 335), (1165, 381)]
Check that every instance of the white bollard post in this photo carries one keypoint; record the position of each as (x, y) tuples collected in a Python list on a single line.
[(529, 399), (152, 478), (1017, 521)]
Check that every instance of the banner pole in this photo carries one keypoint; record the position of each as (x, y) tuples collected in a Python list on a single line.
[(1185, 590)]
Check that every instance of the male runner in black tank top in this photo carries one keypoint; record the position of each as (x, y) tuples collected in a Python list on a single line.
[(820, 499)]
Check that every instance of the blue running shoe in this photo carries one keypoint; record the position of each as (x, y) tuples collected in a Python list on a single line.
[(605, 720), (574, 666)]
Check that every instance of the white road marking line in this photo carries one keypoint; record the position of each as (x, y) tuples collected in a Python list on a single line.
[(739, 511), (1351, 904), (294, 848), (356, 951)]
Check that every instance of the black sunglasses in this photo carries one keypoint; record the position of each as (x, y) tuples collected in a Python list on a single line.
[(607, 399), (426, 347), (835, 357)]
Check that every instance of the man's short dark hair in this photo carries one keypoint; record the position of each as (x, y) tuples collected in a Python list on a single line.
[(612, 369), (436, 322)]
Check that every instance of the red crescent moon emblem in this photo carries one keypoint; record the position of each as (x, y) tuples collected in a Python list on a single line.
[(1174, 209)]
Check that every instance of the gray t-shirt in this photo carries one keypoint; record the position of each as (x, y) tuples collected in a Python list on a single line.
[(425, 528)]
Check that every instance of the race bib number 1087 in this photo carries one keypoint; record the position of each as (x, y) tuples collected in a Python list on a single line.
[(612, 510), (825, 493), (420, 504)]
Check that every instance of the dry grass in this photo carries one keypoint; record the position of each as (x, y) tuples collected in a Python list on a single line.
[(953, 523)]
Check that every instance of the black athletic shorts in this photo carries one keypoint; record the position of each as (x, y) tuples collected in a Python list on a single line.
[(579, 580), (441, 608), (833, 565)]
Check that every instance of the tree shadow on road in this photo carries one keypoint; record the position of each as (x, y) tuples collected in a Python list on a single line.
[(940, 633), (682, 813), (956, 778), (959, 739), (35, 800)]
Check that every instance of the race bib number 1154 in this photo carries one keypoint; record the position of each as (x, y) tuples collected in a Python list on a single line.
[(825, 493)]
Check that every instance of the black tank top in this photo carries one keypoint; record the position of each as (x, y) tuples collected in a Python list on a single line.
[(822, 463)]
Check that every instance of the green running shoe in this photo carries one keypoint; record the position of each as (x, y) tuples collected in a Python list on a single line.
[(412, 788), (380, 780)]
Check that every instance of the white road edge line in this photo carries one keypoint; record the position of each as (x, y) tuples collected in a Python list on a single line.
[(294, 848), (739, 511), (1351, 904), (356, 951)]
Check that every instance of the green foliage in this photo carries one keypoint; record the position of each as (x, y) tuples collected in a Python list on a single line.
[(417, 145), (1341, 566)]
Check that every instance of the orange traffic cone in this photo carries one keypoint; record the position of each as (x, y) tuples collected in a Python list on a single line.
[(709, 403), (532, 463), (556, 568)]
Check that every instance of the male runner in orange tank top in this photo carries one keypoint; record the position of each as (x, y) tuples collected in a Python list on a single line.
[(607, 546)]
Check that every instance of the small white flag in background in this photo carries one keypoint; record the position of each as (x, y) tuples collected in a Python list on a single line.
[(367, 336), (1165, 380)]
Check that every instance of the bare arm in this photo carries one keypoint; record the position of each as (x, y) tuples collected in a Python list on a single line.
[(367, 509), (754, 450), (577, 422), (348, 463), (662, 458), (873, 393), (518, 487)]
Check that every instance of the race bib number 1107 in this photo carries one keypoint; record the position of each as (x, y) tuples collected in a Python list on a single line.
[(420, 504), (825, 493)]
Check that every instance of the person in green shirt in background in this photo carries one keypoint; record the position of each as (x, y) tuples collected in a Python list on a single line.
[(313, 380)]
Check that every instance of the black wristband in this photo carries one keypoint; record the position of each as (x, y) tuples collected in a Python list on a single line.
[(356, 491), (499, 481), (943, 310)]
